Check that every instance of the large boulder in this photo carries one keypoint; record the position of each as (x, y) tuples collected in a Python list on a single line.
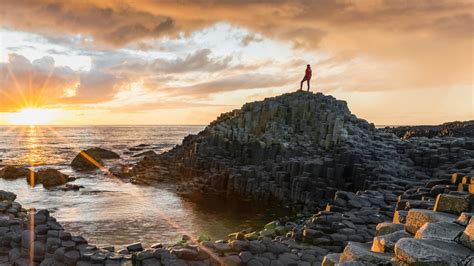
[(431, 252), (91, 159), (50, 178), (103, 153), (13, 172)]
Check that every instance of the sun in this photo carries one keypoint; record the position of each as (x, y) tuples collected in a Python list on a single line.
[(32, 116)]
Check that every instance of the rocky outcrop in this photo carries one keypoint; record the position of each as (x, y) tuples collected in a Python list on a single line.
[(451, 129), (443, 236), (91, 159), (297, 149)]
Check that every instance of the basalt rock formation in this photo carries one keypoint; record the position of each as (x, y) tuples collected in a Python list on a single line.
[(451, 129), (296, 149)]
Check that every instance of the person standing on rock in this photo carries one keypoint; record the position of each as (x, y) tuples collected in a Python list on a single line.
[(307, 77)]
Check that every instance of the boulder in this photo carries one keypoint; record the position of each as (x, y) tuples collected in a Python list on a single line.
[(453, 203), (102, 153), (13, 172), (361, 252), (91, 159), (135, 247), (49, 178), (416, 218), (6, 195), (430, 252), (441, 231), (85, 161)]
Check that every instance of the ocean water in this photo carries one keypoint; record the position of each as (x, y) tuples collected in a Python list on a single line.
[(110, 211)]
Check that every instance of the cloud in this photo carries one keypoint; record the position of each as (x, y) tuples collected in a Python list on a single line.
[(389, 32), (40, 83), (367, 45), (94, 86), (30, 84), (232, 83), (199, 61)]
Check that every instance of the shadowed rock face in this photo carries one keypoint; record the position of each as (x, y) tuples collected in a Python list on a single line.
[(297, 148)]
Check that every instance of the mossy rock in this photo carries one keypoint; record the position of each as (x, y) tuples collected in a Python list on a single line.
[(251, 236), (280, 230), (271, 225), (268, 233), (203, 238)]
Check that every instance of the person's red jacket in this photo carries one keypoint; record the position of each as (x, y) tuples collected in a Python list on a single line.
[(308, 73)]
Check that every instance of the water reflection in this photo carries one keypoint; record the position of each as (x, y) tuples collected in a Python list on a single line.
[(108, 212)]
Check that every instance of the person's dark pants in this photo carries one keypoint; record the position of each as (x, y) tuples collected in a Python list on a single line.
[(304, 79)]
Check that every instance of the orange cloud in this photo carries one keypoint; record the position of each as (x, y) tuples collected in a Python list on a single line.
[(32, 84)]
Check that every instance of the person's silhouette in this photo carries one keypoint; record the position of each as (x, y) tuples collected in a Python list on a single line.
[(307, 77)]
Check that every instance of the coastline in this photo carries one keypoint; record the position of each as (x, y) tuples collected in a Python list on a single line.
[(305, 151)]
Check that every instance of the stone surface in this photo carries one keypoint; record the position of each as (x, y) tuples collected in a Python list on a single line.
[(416, 218), (91, 159), (388, 228), (467, 237), (386, 243), (13, 172), (361, 252), (441, 231), (453, 203), (431, 252)]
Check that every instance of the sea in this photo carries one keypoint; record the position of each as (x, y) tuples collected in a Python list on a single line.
[(109, 211)]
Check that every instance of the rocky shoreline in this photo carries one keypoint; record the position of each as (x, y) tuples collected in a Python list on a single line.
[(365, 196)]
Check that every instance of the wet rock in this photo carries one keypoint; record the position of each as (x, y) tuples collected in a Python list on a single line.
[(91, 159), (71, 257), (5, 195), (14, 172), (233, 260), (185, 253), (49, 178), (135, 247)]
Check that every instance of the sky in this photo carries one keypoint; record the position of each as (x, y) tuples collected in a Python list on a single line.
[(98, 62)]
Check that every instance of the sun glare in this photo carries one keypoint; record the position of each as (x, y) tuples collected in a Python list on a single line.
[(32, 116)]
